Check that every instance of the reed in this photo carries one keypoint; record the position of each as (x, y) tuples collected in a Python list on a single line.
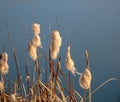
[(50, 90)]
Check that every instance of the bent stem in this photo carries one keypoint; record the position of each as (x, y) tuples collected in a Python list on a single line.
[(101, 85)]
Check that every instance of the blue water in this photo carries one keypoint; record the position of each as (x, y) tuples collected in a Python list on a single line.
[(88, 24)]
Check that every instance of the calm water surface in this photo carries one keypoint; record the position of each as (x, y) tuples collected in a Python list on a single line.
[(92, 24)]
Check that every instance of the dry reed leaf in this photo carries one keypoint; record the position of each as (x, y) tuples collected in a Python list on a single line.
[(15, 87), (51, 93), (31, 91), (61, 91), (13, 97), (81, 98), (1, 86)]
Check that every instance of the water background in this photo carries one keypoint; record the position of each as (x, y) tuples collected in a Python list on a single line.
[(92, 24)]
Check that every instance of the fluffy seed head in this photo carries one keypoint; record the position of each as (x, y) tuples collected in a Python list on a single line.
[(32, 51), (4, 67), (85, 79), (69, 62), (36, 41), (36, 28), (56, 37), (53, 54), (4, 56), (55, 45)]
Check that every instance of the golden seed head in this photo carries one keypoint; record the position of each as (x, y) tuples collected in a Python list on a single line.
[(85, 79), (69, 62), (36, 28), (36, 41), (55, 45), (32, 50)]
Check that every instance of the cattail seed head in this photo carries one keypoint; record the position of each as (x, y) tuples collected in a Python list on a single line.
[(32, 51), (4, 56), (36, 41), (69, 62), (36, 28), (55, 45), (56, 37), (85, 79), (86, 53), (53, 54), (4, 67)]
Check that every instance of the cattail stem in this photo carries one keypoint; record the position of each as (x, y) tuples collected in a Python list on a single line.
[(56, 74), (38, 64), (15, 85), (88, 66), (101, 85), (69, 86), (34, 74), (38, 69), (78, 73), (46, 74), (84, 96), (14, 55), (27, 75), (51, 64), (10, 87)]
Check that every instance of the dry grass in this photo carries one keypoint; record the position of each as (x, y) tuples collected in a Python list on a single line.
[(49, 91)]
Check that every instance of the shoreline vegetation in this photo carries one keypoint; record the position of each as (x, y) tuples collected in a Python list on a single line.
[(51, 90)]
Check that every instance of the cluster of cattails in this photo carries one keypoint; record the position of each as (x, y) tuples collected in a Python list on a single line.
[(35, 42), (69, 62), (38, 91), (55, 44), (4, 67), (85, 77)]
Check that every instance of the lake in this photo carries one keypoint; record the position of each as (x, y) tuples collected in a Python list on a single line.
[(92, 24)]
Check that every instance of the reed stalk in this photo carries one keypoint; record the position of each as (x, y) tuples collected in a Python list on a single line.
[(27, 74), (51, 90), (88, 66), (14, 54), (69, 86)]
